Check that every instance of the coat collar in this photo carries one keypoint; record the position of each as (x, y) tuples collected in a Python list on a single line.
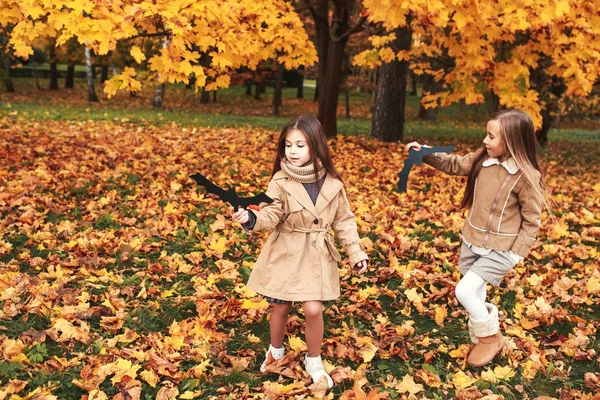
[(331, 186), (509, 164)]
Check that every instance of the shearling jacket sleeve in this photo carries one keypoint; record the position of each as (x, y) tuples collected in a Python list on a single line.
[(451, 163), (531, 211), (346, 231), (270, 215)]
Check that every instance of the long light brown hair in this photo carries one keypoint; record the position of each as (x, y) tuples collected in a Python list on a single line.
[(520, 142), (317, 144)]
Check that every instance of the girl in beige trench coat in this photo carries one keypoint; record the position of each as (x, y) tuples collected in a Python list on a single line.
[(299, 260)]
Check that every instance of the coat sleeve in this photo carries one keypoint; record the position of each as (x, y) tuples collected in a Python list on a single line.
[(346, 231), (451, 163), (531, 212), (270, 215)]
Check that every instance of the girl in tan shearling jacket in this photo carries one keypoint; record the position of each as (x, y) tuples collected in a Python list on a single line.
[(299, 260), (504, 196)]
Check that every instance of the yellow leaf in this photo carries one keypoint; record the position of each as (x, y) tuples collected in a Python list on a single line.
[(137, 54), (150, 377), (250, 304), (593, 285), (97, 395), (218, 246), (296, 344), (219, 224), (415, 299), (504, 373), (123, 368), (22, 50), (528, 324), (175, 186), (462, 380), (408, 385), (440, 314), (368, 351), (364, 294)]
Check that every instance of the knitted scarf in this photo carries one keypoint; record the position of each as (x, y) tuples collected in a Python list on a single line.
[(305, 174)]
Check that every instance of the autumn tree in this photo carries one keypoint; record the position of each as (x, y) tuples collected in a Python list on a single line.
[(233, 33), (390, 94), (515, 50), (333, 29)]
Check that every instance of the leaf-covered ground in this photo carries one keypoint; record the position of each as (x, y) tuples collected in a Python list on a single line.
[(120, 279)]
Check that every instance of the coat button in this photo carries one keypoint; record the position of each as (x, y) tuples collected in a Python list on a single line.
[(316, 221), (314, 244)]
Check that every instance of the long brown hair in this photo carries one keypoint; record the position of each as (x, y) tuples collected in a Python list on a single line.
[(317, 144), (520, 142)]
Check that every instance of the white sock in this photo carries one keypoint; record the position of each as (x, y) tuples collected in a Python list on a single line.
[(277, 353), (314, 367)]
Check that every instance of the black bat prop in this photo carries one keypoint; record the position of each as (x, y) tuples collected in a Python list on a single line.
[(416, 158), (229, 195)]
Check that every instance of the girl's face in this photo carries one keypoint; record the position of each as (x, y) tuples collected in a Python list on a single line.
[(494, 142), (296, 148)]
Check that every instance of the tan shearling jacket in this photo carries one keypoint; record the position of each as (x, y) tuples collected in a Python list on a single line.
[(506, 213)]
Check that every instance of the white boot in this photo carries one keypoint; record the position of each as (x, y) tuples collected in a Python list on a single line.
[(273, 354), (314, 367)]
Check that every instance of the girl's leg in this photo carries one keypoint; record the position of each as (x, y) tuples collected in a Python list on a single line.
[(277, 325), (469, 291), (313, 312), (483, 320), (481, 293)]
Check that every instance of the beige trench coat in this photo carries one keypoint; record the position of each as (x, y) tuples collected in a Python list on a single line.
[(299, 260)]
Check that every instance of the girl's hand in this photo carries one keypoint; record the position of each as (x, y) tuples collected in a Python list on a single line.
[(412, 145), (240, 216), (361, 267)]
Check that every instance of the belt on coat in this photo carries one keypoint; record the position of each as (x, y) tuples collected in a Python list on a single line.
[(324, 238)]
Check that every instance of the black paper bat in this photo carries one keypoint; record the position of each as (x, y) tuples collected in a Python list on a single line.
[(229, 195), (416, 158)]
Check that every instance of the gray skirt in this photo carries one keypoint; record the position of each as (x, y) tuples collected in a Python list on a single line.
[(491, 267)]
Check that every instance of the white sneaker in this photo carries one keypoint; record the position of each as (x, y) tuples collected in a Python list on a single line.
[(273, 354), (314, 367)]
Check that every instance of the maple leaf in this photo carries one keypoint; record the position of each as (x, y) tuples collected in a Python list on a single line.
[(461, 380), (408, 385)]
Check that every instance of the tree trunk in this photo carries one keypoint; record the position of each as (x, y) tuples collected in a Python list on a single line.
[(89, 73), (204, 96), (316, 96), (390, 94), (300, 89), (214, 96), (551, 90), (493, 102), (542, 133), (463, 106), (320, 14), (413, 83), (53, 67), (328, 98), (70, 78), (279, 68), (249, 88), (429, 86), (5, 63), (258, 89), (104, 74), (159, 95)]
